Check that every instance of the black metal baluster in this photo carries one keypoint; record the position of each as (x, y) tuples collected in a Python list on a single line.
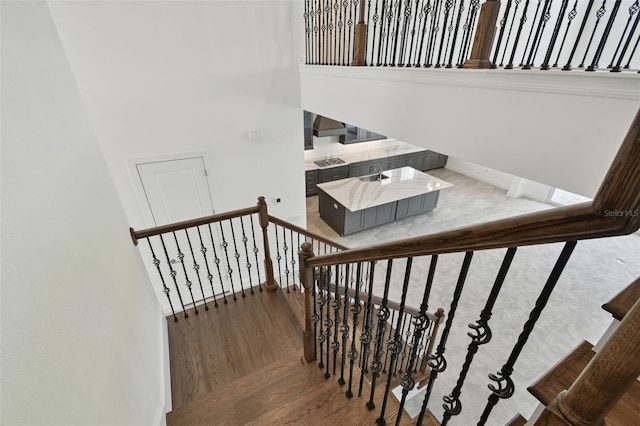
[(356, 308), (255, 252), (246, 254), (405, 29), (388, 32), (217, 261), (172, 274), (523, 19), (203, 250), (285, 249), (599, 14), (323, 30), (315, 317), (366, 44), (544, 17), (330, 33), (633, 51), (336, 40), (506, 44), (165, 289), (328, 323), (383, 316), (533, 25), (278, 255), (187, 282), (554, 35), (353, 11), (365, 337), (335, 345), (225, 246), (345, 5), (447, 9), (305, 15), (605, 37), (503, 27), (196, 267), (617, 68), (570, 16), (433, 33), (413, 33), (344, 328), (468, 27), (449, 31), (455, 34), (316, 31), (568, 67), (417, 23), (396, 33), (480, 334), (322, 300), (340, 34), (421, 323), (426, 9), (404, 342), (295, 288), (293, 261), (394, 345), (632, 11), (505, 387), (385, 370), (438, 362), (236, 254), (375, 20)]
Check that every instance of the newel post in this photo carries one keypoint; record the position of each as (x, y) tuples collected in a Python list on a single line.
[(605, 379), (306, 278), (483, 40), (270, 284), (360, 39)]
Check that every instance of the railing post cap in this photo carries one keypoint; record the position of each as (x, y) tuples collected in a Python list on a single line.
[(307, 249), (261, 200)]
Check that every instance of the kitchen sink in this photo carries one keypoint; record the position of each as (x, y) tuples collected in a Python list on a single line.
[(373, 178)]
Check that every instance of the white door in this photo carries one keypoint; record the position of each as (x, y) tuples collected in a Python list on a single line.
[(176, 190)]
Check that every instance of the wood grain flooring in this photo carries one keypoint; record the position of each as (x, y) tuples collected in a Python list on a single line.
[(216, 347)]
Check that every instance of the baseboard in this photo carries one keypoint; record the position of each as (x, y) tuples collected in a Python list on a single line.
[(473, 171), (165, 405)]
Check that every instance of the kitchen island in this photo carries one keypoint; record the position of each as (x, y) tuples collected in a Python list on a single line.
[(358, 203)]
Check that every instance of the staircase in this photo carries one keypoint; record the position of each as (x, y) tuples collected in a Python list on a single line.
[(285, 390)]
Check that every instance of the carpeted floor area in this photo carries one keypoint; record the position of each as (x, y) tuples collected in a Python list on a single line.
[(597, 271)]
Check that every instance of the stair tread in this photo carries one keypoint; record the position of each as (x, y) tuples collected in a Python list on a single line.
[(286, 392), (566, 371), (517, 420), (623, 301)]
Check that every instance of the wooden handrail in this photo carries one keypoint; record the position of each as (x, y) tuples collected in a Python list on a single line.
[(143, 233), (614, 211), (305, 232)]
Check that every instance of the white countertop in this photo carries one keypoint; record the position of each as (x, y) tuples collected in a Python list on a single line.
[(406, 182), (381, 151)]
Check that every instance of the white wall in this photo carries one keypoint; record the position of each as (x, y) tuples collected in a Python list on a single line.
[(81, 329), (161, 78), (557, 128)]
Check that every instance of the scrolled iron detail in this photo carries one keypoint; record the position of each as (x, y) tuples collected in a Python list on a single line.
[(452, 405), (438, 363), (352, 354), (505, 386), (481, 332), (407, 381)]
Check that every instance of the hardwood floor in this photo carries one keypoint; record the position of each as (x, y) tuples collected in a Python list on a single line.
[(212, 349)]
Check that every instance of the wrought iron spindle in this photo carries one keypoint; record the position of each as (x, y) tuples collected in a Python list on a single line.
[(225, 246), (447, 10), (335, 345), (196, 267), (633, 51), (383, 316), (396, 32), (345, 6), (217, 261), (503, 26), (322, 301), (328, 323), (533, 26), (599, 14), (449, 30), (375, 20), (554, 35), (617, 68), (248, 265), (421, 323), (504, 386), (353, 10), (506, 44), (278, 255), (567, 66), (365, 336), (340, 34), (523, 19), (356, 308), (172, 274), (542, 23), (480, 334), (405, 29), (315, 317), (306, 31), (188, 282), (468, 27), (388, 32), (433, 33), (328, 11), (438, 362), (605, 36), (203, 250), (236, 254), (426, 9), (316, 31), (366, 38), (293, 260), (632, 11), (416, 18), (570, 17), (285, 249), (455, 34), (394, 346), (336, 42), (344, 328), (255, 252), (165, 289), (404, 339)]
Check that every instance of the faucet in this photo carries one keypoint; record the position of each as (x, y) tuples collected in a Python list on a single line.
[(379, 173)]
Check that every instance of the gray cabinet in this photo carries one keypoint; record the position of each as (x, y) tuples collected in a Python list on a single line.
[(311, 179), (333, 173), (358, 134), (389, 163), (308, 130)]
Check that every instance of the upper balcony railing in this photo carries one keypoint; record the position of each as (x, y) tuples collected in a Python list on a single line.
[(545, 34)]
